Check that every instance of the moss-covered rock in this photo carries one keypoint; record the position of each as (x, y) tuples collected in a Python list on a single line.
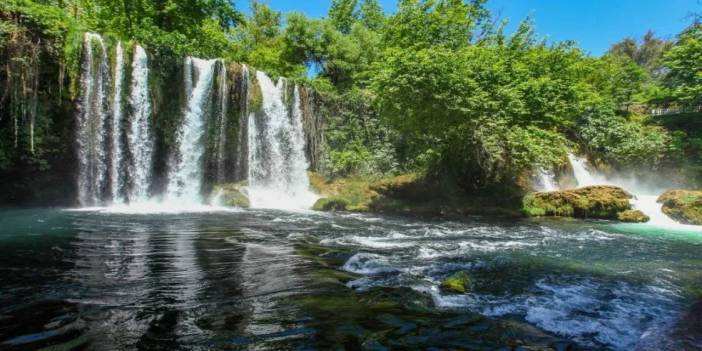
[(330, 204), (232, 194), (457, 283), (633, 216), (409, 194), (604, 202), (684, 206)]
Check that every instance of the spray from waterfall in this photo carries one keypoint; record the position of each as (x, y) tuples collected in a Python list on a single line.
[(277, 161), (93, 116), (186, 169)]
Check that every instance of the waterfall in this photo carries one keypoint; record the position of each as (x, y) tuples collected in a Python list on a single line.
[(139, 136), (241, 160), (645, 199), (116, 137), (546, 180), (277, 162), (92, 117), (222, 124), (117, 177), (186, 169), (582, 175)]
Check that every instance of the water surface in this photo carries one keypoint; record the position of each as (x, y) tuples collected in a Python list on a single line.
[(255, 279)]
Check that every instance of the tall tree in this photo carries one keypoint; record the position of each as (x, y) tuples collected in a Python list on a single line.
[(684, 64), (343, 15), (647, 54), (372, 15)]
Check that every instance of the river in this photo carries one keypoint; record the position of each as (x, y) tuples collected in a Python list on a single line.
[(217, 278)]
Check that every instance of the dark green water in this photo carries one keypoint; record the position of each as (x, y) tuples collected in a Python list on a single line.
[(101, 280)]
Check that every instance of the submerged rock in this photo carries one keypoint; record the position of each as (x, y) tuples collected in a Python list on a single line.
[(457, 283), (603, 202), (633, 216), (684, 206), (232, 194)]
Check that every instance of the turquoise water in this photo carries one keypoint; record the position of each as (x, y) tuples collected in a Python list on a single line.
[(254, 279)]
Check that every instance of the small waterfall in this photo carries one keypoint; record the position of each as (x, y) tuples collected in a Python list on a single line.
[(186, 169), (139, 136), (277, 163), (92, 117), (645, 200), (116, 176), (546, 180)]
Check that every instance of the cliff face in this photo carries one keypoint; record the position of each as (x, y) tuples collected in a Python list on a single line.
[(36, 117), (313, 124)]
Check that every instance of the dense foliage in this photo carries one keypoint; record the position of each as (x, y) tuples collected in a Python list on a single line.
[(436, 88)]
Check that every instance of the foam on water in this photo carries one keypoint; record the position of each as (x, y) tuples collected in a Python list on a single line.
[(366, 263), (613, 314), (156, 207)]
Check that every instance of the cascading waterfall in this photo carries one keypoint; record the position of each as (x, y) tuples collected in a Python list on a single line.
[(277, 162), (139, 136), (93, 115), (645, 200), (117, 178), (186, 170)]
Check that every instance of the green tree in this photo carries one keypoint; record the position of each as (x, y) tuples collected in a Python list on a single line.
[(647, 54), (372, 15), (343, 14), (684, 64)]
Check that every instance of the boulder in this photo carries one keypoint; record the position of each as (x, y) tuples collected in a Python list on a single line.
[(633, 216), (602, 202), (232, 194), (457, 283), (684, 206)]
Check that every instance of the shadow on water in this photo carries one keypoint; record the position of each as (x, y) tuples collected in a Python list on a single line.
[(286, 280)]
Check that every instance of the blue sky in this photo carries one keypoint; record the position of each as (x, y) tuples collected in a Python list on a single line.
[(593, 24)]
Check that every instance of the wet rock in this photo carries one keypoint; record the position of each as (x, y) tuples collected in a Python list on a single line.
[(684, 206), (457, 283), (633, 216), (603, 202), (232, 194)]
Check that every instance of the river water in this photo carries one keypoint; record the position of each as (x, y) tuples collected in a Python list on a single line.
[(215, 278)]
